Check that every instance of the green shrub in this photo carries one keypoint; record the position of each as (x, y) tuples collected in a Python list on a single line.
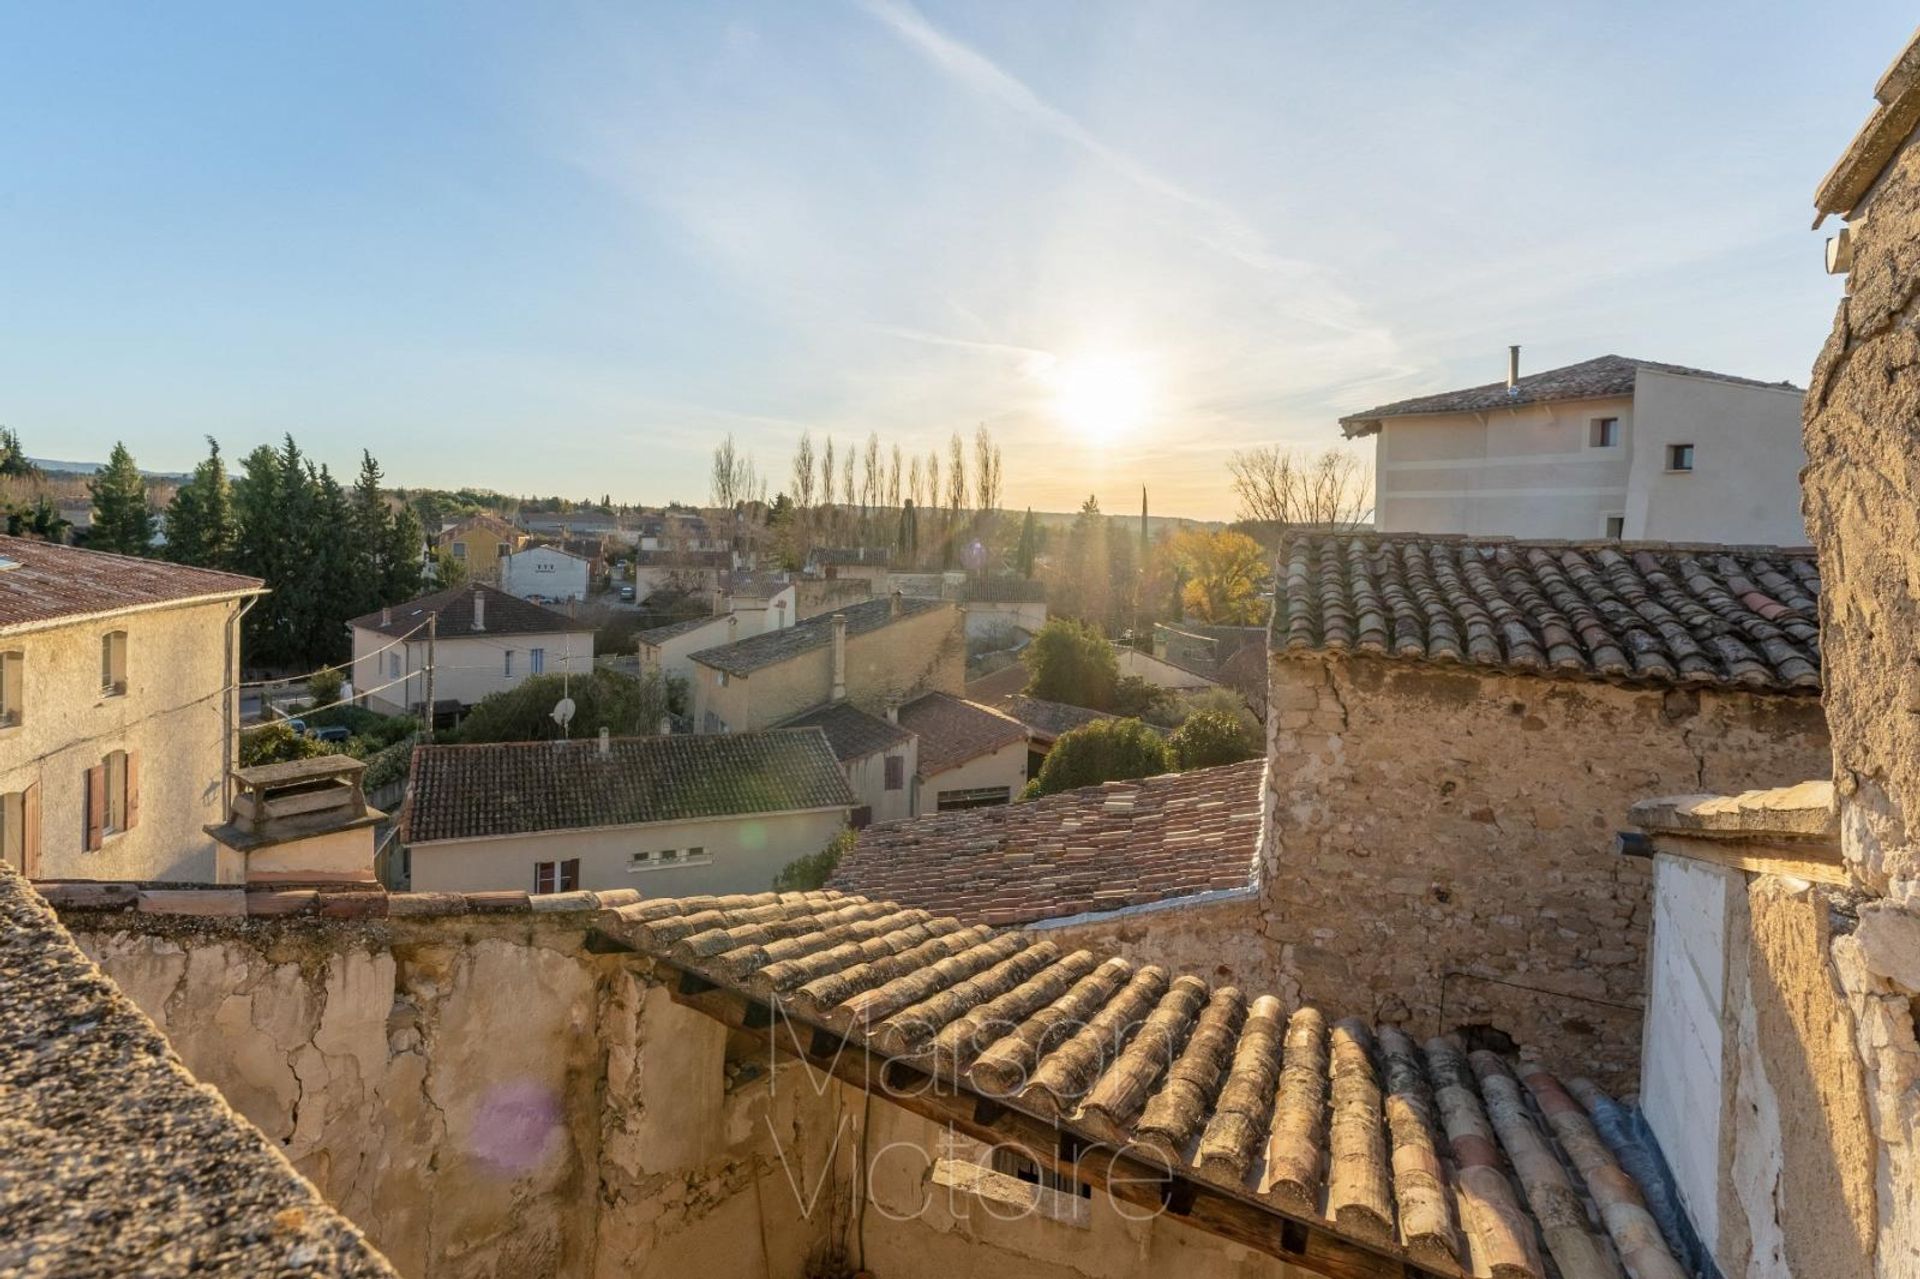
[(1073, 663), (1212, 737), (275, 743), (1106, 750), (804, 874), (389, 765), (324, 688)]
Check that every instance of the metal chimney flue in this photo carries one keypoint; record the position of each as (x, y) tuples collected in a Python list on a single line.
[(1513, 369)]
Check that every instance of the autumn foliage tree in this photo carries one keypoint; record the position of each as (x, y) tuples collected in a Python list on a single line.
[(1225, 573)]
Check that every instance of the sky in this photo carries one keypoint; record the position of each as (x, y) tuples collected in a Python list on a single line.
[(567, 248)]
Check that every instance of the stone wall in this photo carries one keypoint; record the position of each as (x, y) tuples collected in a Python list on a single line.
[(1438, 843), (817, 595), (1219, 940), (485, 1097)]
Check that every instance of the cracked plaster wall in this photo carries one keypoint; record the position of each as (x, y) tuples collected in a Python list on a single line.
[(1862, 501), (1438, 845)]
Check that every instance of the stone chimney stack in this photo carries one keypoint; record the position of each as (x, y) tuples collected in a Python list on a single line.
[(839, 658), (1513, 369), (666, 725), (606, 744), (479, 610), (386, 615), (893, 712), (893, 604)]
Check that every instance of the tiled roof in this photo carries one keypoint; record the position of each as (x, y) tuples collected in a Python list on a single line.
[(684, 559), (773, 647), (1606, 375), (1735, 616), (119, 1162), (491, 523), (505, 615), (1448, 1159), (519, 788), (1045, 720), (852, 732), (661, 634), (755, 585), (953, 731), (1094, 849), (1003, 590), (874, 556), (50, 583)]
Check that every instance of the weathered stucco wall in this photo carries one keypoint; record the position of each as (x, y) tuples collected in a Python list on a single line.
[(1220, 940), (1438, 847), (484, 1097)]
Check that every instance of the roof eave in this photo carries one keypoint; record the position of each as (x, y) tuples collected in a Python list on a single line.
[(151, 606)]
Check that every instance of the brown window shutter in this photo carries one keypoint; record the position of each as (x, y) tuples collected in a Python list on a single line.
[(133, 789), (570, 875), (30, 835), (96, 806)]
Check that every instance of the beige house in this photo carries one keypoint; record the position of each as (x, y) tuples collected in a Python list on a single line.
[(971, 756), (483, 641), (667, 815), (869, 564), (874, 654), (761, 601), (879, 757), (1607, 448), (669, 649), (479, 542), (118, 712)]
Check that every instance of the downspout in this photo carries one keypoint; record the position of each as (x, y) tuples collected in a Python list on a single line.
[(232, 702)]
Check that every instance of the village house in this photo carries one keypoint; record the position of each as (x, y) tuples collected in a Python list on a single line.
[(875, 654), (478, 542), (483, 641), (761, 601), (671, 815), (1002, 607), (971, 756), (1043, 720), (669, 649), (879, 757), (1160, 672), (681, 572), (547, 574), (1607, 448), (869, 564), (118, 712)]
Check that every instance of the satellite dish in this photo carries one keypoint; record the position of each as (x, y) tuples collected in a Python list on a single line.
[(563, 711)]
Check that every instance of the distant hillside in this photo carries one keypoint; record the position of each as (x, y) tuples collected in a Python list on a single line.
[(57, 469)]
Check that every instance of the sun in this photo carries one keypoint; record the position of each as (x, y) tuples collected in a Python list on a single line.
[(1101, 398)]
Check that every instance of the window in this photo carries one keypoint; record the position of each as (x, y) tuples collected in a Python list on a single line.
[(1679, 457), (12, 688), (1603, 433), (113, 797), (669, 855), (543, 568), (1011, 1161), (896, 772), (13, 830), (720, 678), (975, 797), (557, 877), (536, 660), (393, 664), (1616, 527), (861, 817), (508, 671), (113, 664), (459, 550)]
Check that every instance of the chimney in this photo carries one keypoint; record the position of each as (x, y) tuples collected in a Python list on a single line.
[(1513, 369), (386, 615), (479, 611), (666, 725), (606, 746), (893, 712), (839, 658), (893, 604)]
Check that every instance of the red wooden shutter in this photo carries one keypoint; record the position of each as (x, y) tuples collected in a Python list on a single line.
[(570, 875), (96, 807), (133, 789), (30, 835)]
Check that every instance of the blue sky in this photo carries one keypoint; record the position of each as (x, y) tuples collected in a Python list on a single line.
[(565, 248)]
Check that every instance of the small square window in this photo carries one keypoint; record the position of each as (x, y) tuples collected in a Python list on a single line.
[(1616, 527), (669, 854), (697, 853), (1603, 433), (1679, 457)]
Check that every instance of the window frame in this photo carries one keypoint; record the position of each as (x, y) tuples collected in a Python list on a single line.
[(113, 664), (1674, 458), (1603, 433), (536, 661), (115, 819), (13, 830), (974, 797), (893, 771), (507, 668), (13, 688), (562, 876), (1607, 523)]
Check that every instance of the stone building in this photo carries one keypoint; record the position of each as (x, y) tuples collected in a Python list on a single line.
[(1456, 729), (118, 712)]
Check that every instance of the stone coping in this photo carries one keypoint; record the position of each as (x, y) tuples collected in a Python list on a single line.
[(1800, 813), (213, 901)]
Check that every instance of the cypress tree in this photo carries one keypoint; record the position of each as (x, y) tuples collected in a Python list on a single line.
[(121, 520), (201, 528)]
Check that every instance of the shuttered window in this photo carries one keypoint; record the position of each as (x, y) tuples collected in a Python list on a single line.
[(113, 664), (12, 688), (557, 877)]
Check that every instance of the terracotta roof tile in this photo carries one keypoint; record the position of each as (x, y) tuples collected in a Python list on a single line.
[(1653, 613), (953, 730), (515, 788), (1082, 850), (48, 583)]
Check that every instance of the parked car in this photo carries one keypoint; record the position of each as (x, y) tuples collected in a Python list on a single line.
[(332, 733), (626, 592)]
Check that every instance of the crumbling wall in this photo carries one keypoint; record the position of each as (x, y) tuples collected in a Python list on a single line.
[(1219, 941), (1438, 848), (483, 1097)]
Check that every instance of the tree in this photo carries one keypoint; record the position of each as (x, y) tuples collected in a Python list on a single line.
[(1212, 737), (624, 706), (276, 743), (448, 569), (1106, 750), (1070, 662), (1029, 546), (1224, 574), (201, 528), (13, 458), (41, 519), (809, 873), (121, 520), (1276, 486)]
